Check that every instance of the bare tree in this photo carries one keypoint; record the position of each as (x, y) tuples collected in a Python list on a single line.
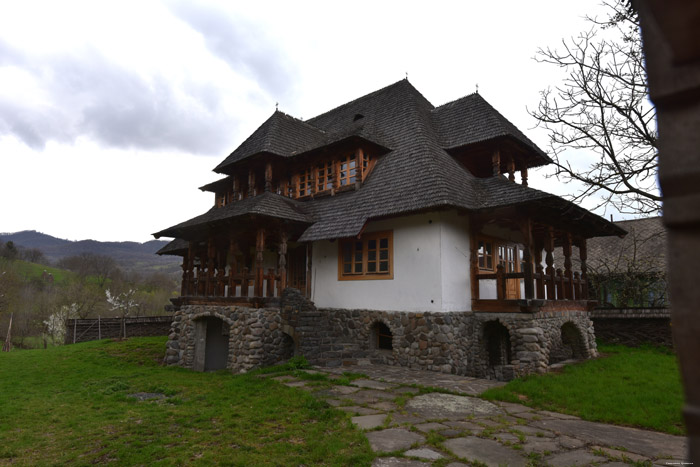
[(100, 267), (602, 108)]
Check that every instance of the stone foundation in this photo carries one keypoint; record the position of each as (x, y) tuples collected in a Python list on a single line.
[(488, 345)]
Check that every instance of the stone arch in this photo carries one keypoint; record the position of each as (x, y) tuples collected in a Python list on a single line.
[(497, 343), (287, 347), (568, 344), (381, 336), (211, 343)]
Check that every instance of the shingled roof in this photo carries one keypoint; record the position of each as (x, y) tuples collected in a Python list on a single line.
[(265, 205), (417, 172)]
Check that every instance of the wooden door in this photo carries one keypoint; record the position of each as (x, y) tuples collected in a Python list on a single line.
[(507, 256), (297, 268)]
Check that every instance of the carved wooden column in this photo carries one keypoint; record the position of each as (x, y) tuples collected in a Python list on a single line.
[(210, 281), (221, 273), (189, 285), (251, 182), (185, 264), (259, 273), (232, 267), (282, 269), (358, 165), (523, 175), (308, 270), (583, 254), (236, 188), (500, 283), (496, 162), (510, 165), (526, 229), (549, 260), (268, 177), (568, 274), (539, 271)]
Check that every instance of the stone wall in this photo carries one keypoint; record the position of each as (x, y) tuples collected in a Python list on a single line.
[(634, 326), (490, 345), (256, 337)]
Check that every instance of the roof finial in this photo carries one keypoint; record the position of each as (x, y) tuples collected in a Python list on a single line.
[(277, 105), (407, 76), (477, 88)]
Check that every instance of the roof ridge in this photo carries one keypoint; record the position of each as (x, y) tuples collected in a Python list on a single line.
[(367, 96), (298, 120), (457, 100)]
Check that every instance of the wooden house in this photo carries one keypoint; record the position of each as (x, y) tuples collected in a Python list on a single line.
[(390, 204)]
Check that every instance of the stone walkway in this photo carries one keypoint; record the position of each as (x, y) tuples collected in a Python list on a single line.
[(406, 428)]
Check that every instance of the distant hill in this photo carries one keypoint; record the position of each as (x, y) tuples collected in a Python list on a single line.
[(130, 256)]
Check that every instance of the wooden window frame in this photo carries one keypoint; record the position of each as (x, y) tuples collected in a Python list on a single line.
[(493, 254), (496, 246), (365, 253)]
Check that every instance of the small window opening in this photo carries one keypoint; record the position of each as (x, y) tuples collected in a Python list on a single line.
[(358, 117), (383, 336)]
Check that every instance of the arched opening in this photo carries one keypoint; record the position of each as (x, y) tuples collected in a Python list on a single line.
[(287, 347), (497, 339), (382, 338), (572, 344), (211, 344)]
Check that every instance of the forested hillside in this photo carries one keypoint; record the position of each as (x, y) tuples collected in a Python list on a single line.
[(129, 256)]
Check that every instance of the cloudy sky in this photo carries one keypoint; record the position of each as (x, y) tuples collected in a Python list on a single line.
[(112, 114)]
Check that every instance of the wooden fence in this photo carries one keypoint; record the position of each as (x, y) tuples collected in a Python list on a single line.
[(83, 330)]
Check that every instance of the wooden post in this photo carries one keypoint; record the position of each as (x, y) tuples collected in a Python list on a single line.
[(539, 270), (549, 260), (496, 162), (500, 283), (577, 286), (259, 273), (268, 177), (244, 282), (210, 280), (270, 283), (183, 286), (510, 165), (583, 253), (221, 273), (526, 228), (568, 274), (75, 329), (251, 182), (523, 175), (236, 188), (358, 165), (283, 262), (561, 295), (99, 329), (232, 267)]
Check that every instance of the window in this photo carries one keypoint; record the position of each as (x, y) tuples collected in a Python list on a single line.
[(304, 183), (485, 255), (324, 176), (348, 171), (506, 257), (367, 258)]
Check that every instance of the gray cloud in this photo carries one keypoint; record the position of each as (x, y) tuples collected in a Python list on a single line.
[(243, 46), (87, 95)]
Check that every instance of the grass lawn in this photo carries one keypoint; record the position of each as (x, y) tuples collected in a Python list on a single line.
[(638, 387), (72, 405)]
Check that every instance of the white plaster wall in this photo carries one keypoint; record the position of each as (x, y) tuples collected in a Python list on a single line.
[(454, 253), (430, 261)]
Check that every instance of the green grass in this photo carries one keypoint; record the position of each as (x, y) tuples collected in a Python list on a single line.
[(72, 405), (638, 387)]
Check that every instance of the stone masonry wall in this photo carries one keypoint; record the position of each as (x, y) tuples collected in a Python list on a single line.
[(455, 342), (256, 336)]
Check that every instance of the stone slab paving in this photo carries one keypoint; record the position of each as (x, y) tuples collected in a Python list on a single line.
[(646, 443), (486, 451), (474, 430), (393, 439), (367, 422), (408, 376)]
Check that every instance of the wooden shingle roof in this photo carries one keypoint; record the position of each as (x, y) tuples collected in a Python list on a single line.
[(416, 173)]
